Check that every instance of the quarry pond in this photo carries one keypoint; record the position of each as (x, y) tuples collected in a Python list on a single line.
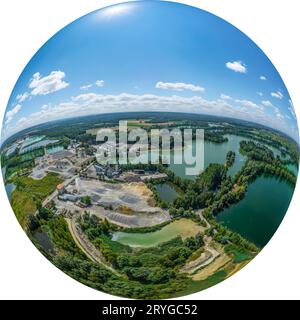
[(255, 217), (183, 227), (166, 192)]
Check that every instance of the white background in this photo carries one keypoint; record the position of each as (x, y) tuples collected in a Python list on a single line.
[(26, 25)]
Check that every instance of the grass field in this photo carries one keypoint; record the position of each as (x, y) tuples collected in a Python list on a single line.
[(29, 192), (22, 204)]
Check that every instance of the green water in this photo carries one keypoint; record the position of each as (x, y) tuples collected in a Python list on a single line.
[(258, 216), (293, 168), (146, 239), (166, 192), (182, 227), (260, 213), (54, 149), (215, 153), (31, 140)]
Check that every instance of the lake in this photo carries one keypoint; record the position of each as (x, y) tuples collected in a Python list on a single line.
[(256, 217), (10, 187), (166, 192), (293, 168), (214, 153), (183, 227), (260, 213), (37, 145), (54, 149), (44, 240), (31, 140)]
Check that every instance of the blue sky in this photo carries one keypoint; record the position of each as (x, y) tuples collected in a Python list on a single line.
[(149, 56)]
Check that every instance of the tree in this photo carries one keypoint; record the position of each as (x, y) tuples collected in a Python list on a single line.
[(33, 223), (230, 158), (44, 213), (86, 200)]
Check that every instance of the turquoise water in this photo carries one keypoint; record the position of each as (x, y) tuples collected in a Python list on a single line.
[(260, 213), (258, 216), (38, 145), (54, 149), (30, 140), (293, 168), (215, 153)]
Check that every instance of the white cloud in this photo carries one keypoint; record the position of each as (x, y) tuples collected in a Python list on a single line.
[(237, 66), (277, 95), (249, 104), (225, 97), (276, 110), (11, 113), (267, 103), (22, 97), (178, 86), (48, 84), (260, 94), (94, 103), (263, 78), (22, 120), (292, 109), (278, 113), (98, 83), (88, 86), (45, 107)]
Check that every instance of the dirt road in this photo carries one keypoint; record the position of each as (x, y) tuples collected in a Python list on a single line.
[(86, 246)]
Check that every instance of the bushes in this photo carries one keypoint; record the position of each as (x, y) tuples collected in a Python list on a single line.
[(224, 235), (230, 158), (23, 204), (146, 229), (148, 275), (194, 243), (149, 266), (86, 200), (211, 178), (59, 233)]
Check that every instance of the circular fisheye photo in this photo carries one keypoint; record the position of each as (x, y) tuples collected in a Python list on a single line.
[(150, 150)]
